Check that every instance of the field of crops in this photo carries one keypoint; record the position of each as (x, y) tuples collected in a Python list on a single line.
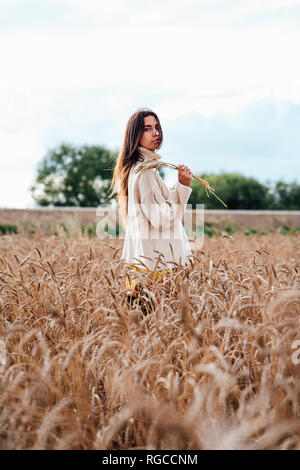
[(214, 365)]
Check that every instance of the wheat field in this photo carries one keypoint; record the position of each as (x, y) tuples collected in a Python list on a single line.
[(213, 365)]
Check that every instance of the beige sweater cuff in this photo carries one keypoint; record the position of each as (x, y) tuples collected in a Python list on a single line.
[(183, 191)]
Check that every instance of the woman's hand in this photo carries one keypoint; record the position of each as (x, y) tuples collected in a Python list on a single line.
[(184, 175)]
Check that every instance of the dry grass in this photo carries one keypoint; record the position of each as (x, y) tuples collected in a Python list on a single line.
[(210, 368)]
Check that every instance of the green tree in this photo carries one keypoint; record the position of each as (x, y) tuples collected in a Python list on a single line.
[(237, 191), (286, 196), (74, 176)]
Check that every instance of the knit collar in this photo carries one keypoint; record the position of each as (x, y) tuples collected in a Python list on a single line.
[(148, 154)]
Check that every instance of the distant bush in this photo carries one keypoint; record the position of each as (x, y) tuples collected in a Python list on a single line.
[(286, 230), (229, 230), (210, 230), (250, 232), (89, 229), (8, 229)]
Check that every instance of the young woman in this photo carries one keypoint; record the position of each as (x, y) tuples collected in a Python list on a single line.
[(152, 214)]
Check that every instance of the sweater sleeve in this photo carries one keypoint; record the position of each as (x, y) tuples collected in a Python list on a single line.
[(162, 213), (181, 193)]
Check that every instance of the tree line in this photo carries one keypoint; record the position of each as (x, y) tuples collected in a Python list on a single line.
[(241, 192), (80, 176)]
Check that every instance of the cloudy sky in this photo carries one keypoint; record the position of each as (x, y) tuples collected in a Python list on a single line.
[(223, 76)]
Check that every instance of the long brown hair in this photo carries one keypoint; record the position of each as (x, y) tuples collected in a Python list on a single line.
[(128, 156)]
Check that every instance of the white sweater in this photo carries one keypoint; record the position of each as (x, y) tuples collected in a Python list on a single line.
[(155, 219)]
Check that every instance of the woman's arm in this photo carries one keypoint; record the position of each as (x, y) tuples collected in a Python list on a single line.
[(161, 213), (184, 180), (178, 195)]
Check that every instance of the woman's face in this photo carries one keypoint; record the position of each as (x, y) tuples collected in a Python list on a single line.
[(151, 136)]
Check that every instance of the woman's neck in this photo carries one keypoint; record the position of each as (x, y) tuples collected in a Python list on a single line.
[(148, 154)]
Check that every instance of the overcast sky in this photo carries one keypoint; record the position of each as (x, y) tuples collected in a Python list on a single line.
[(223, 76)]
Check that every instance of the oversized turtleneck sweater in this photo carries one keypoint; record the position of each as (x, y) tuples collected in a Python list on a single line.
[(154, 225)]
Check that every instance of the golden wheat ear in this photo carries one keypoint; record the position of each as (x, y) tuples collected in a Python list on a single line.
[(150, 164)]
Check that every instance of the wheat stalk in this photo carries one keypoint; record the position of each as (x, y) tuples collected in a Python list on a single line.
[(153, 163), (206, 358)]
